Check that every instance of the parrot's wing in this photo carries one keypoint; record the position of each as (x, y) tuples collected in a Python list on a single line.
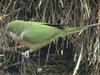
[(39, 36), (38, 39)]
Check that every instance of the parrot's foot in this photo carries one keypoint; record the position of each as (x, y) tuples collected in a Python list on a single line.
[(25, 54)]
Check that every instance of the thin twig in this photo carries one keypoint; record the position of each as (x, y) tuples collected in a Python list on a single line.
[(79, 61)]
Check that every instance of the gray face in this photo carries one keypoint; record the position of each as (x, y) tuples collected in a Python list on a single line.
[(14, 36)]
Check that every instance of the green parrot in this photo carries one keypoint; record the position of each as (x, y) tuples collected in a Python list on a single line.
[(36, 35)]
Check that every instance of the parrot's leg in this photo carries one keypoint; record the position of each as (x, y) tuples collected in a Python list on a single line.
[(25, 54)]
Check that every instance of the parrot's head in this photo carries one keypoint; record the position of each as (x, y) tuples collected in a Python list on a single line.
[(16, 27)]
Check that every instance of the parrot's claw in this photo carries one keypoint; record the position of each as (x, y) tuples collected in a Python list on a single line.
[(25, 54)]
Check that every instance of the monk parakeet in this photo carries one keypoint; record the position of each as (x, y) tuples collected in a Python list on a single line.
[(36, 35)]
